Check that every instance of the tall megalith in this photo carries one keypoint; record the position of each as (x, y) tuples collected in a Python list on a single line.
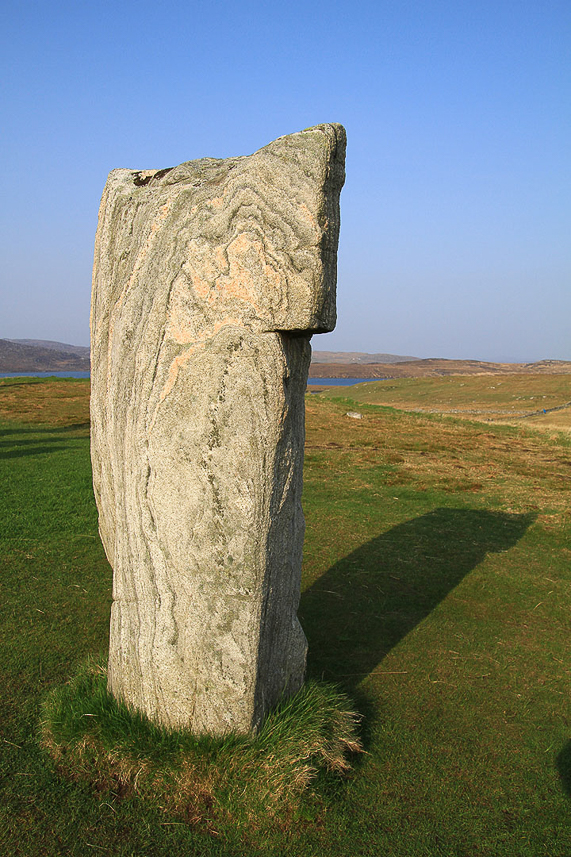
[(209, 280)]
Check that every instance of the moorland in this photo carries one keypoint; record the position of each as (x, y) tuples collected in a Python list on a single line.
[(338, 366), (528, 399), (32, 355), (436, 589)]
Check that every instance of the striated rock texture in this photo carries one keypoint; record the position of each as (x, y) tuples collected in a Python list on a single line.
[(209, 279)]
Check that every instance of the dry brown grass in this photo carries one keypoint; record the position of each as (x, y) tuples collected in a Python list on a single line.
[(444, 454), (188, 793), (45, 401), (506, 399)]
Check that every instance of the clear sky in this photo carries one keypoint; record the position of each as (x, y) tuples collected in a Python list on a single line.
[(455, 234)]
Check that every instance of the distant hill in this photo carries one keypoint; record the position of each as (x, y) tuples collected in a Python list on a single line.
[(19, 356), (80, 350), (356, 357), (38, 355), (433, 367)]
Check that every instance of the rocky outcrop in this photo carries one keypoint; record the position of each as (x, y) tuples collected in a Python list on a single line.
[(209, 279)]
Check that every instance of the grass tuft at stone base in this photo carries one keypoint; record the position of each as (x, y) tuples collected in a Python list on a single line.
[(262, 780)]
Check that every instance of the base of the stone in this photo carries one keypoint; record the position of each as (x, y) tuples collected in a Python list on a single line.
[(205, 781)]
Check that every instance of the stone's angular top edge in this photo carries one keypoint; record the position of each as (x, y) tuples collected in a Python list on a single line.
[(333, 135), (328, 128), (337, 127), (143, 177)]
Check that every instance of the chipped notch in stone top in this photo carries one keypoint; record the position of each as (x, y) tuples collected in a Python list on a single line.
[(143, 177), (209, 279)]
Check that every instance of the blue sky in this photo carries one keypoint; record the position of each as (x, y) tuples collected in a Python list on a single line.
[(456, 210)]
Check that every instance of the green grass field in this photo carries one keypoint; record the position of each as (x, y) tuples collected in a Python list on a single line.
[(437, 573)]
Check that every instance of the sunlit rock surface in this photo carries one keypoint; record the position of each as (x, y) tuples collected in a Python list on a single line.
[(209, 279)]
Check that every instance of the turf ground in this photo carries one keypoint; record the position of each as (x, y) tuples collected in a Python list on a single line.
[(437, 576)]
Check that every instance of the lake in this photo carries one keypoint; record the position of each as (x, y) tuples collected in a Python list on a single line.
[(341, 382), (67, 374), (330, 382)]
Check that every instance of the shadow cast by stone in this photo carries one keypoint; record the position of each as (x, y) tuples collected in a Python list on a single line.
[(43, 441), (356, 612), (6, 432), (5, 388), (563, 763), (31, 450)]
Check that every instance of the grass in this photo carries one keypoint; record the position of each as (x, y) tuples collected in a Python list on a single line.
[(506, 398), (436, 595), (46, 401), (254, 781)]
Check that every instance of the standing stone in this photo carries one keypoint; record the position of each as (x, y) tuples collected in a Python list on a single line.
[(208, 281)]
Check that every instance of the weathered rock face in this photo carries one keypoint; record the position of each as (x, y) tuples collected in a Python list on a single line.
[(208, 281)]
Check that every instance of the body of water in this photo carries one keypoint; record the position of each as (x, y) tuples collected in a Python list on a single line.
[(341, 382), (67, 374), (329, 382)]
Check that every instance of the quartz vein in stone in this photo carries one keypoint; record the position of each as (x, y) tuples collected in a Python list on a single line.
[(209, 279)]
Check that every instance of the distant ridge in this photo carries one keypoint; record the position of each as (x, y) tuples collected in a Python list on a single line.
[(45, 356), (434, 366), (81, 350), (356, 357)]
